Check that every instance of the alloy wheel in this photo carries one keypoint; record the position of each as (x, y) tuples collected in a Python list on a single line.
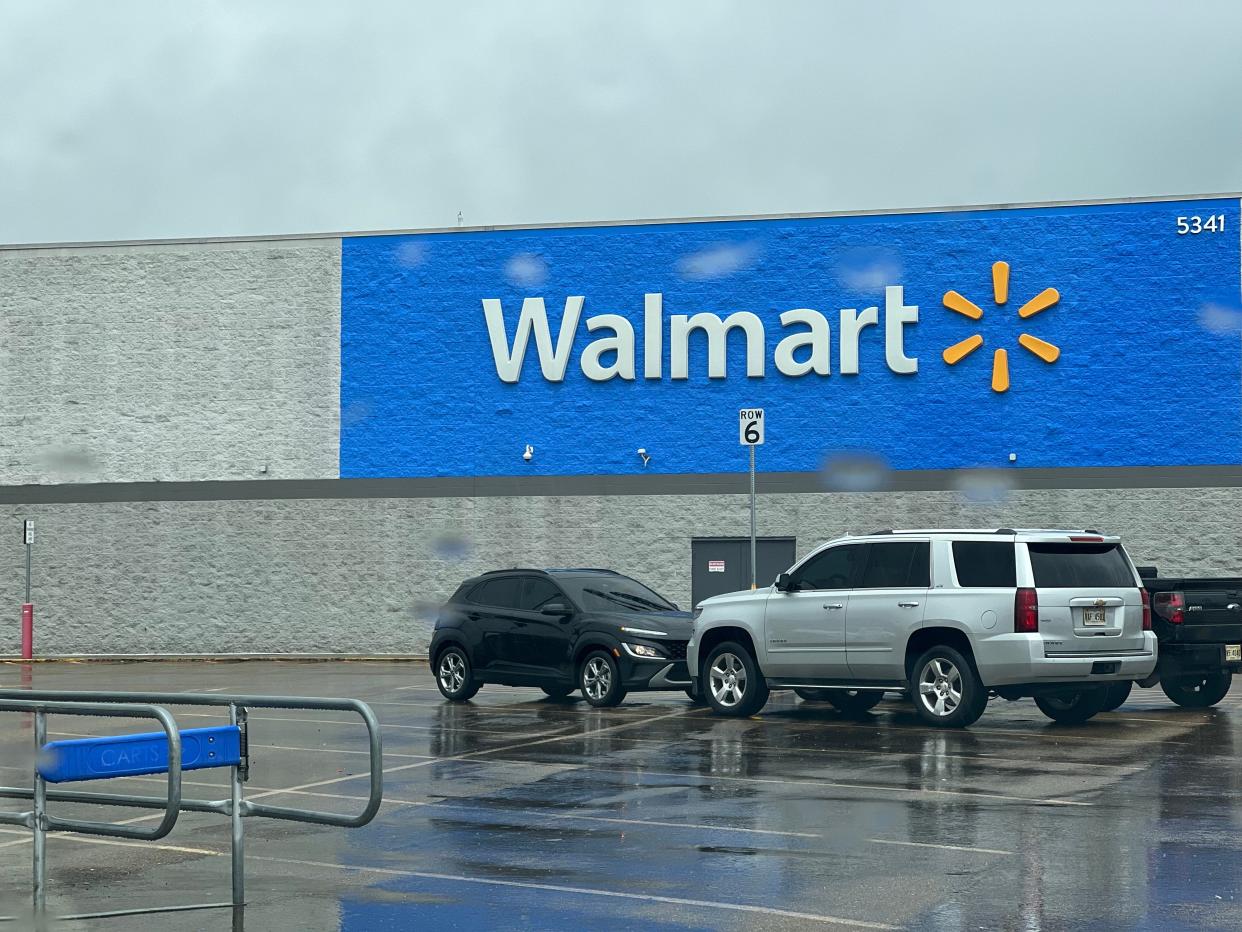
[(940, 687), (597, 678), (452, 671), (727, 680)]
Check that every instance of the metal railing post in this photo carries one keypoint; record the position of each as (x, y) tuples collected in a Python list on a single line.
[(40, 825), (237, 716)]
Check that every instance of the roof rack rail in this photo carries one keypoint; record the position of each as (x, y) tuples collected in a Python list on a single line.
[(580, 569), (878, 533), (1005, 530)]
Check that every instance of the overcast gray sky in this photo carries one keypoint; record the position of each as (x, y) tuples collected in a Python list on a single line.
[(129, 119)]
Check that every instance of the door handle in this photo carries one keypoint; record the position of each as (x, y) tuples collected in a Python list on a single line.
[(908, 604), (833, 605)]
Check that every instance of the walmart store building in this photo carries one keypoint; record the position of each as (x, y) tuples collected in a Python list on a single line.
[(292, 445)]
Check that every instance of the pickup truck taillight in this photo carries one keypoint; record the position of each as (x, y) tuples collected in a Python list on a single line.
[(1026, 612), (1171, 606), (1146, 609)]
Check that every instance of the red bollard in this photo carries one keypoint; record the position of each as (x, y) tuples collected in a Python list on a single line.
[(27, 631)]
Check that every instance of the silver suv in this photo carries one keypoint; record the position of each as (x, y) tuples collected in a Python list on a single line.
[(948, 617)]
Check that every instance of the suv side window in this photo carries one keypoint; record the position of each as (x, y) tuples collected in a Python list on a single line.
[(538, 592), (501, 592), (835, 568), (985, 564), (899, 565)]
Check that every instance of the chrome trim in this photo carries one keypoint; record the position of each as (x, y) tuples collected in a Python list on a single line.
[(645, 632), (661, 680)]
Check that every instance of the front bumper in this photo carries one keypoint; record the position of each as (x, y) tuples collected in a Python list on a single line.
[(669, 672), (1021, 659)]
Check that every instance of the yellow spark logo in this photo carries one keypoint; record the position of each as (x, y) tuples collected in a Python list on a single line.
[(1000, 359)]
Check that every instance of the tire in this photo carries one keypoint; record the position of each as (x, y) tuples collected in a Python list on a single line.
[(1074, 708), (600, 680), (946, 690), (454, 675), (557, 692), (845, 701), (735, 687), (1118, 693), (855, 701), (1198, 690), (695, 696), (811, 695)]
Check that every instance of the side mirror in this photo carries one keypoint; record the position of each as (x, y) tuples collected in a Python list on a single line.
[(556, 608), (784, 583)]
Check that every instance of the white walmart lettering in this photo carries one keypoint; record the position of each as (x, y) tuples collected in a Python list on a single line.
[(613, 355)]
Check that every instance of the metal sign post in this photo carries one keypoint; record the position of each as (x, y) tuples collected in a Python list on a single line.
[(750, 434), (28, 606)]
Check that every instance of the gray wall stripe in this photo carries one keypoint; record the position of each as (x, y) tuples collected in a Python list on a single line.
[(921, 480)]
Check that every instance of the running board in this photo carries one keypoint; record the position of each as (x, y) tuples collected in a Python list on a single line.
[(871, 687)]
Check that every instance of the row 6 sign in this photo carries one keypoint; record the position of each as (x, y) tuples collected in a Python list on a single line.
[(750, 427)]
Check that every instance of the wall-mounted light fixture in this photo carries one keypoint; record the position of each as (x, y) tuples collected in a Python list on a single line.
[(529, 453), (642, 451)]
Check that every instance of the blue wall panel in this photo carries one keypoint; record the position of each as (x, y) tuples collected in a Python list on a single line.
[(1146, 322)]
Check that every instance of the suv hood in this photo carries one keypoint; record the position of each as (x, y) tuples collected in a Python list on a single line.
[(673, 624)]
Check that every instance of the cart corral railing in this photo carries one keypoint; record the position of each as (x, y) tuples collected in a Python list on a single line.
[(169, 751)]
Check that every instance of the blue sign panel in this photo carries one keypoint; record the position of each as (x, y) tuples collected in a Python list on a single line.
[(135, 755), (1101, 335)]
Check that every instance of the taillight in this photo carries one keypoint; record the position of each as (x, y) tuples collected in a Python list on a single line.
[(1171, 606), (1026, 612), (1146, 609)]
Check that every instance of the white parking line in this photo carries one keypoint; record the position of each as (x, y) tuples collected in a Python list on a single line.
[(587, 891), (925, 844), (87, 840)]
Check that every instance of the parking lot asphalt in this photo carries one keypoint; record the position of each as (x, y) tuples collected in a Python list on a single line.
[(515, 811)]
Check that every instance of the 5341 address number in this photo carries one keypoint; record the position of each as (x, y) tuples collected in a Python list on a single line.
[(1213, 224)]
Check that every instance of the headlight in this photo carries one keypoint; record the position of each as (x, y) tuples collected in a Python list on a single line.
[(642, 650), (698, 610)]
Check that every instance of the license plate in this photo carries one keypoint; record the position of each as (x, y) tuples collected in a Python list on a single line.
[(1093, 617), (1233, 651)]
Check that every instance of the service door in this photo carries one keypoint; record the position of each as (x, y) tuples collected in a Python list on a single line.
[(722, 564)]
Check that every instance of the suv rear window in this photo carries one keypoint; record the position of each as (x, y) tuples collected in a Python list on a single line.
[(501, 592), (985, 564), (1077, 566)]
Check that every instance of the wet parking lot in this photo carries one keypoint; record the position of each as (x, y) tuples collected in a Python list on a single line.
[(515, 811)]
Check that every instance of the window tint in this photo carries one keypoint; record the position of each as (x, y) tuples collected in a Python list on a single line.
[(985, 564), (1077, 566), (499, 592), (832, 569), (538, 592), (899, 565)]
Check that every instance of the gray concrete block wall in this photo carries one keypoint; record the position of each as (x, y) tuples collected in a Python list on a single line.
[(355, 576), (170, 362)]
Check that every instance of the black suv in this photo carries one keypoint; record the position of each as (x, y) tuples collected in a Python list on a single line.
[(560, 630)]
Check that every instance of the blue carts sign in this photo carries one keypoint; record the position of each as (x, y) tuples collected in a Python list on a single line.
[(1070, 336), (136, 755)]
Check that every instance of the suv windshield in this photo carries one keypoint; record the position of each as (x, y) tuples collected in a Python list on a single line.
[(614, 594), (1075, 566)]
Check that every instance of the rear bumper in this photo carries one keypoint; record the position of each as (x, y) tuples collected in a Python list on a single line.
[(1014, 659), (1177, 659)]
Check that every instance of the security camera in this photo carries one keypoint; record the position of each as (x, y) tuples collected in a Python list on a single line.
[(529, 454)]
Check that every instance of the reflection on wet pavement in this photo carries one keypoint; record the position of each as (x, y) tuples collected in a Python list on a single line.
[(518, 812)]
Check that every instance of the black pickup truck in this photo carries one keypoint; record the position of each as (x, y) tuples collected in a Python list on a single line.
[(1198, 623)]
